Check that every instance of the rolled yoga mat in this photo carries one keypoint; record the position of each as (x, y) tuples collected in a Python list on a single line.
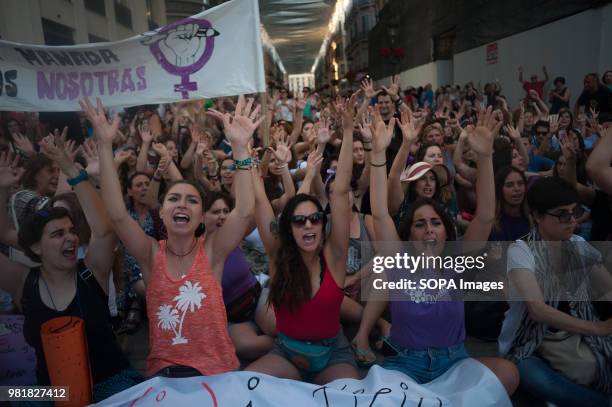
[(65, 347)]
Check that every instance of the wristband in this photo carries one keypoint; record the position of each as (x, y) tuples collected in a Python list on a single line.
[(83, 176), (243, 163), (378, 165)]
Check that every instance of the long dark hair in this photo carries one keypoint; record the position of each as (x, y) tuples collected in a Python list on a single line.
[(290, 285), (405, 225), (500, 180)]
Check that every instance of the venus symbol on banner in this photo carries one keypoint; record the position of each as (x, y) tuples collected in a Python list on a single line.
[(183, 48)]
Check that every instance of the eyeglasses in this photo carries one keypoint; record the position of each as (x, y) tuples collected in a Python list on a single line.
[(229, 167), (314, 218), (566, 216)]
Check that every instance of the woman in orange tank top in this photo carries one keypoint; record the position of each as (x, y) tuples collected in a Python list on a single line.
[(307, 273), (188, 326)]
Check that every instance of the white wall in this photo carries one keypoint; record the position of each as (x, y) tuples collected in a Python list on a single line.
[(605, 49), (571, 47), (437, 73)]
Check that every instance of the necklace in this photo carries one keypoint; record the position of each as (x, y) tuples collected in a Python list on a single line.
[(181, 256), (48, 292)]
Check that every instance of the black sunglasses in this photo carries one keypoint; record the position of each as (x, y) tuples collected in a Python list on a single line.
[(566, 217), (314, 218)]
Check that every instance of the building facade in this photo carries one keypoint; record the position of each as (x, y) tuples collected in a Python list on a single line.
[(297, 83), (359, 22), (458, 41), (68, 22)]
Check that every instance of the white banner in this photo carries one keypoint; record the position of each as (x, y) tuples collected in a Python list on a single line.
[(215, 53), (468, 383)]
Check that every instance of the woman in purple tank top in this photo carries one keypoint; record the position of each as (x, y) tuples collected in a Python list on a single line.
[(247, 315), (427, 333)]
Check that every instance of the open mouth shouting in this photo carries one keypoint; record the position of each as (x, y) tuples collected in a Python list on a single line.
[(181, 218), (70, 253)]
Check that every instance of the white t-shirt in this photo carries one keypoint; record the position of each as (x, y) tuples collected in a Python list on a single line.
[(520, 257)]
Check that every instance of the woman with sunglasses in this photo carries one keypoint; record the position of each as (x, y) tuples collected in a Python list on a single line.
[(63, 285), (428, 335), (188, 333), (307, 274), (554, 333)]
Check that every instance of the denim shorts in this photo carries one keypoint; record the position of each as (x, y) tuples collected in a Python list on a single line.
[(425, 365), (342, 353)]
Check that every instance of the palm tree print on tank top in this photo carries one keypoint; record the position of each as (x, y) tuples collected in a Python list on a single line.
[(189, 299)]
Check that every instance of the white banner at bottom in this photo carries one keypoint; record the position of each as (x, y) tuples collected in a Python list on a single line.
[(468, 383)]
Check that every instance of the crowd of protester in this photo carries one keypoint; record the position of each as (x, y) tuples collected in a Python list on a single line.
[(240, 229)]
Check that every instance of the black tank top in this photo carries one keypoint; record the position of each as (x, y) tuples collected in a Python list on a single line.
[(91, 304)]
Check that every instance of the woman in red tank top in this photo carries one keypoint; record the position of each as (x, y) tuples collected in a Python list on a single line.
[(307, 273), (188, 325)]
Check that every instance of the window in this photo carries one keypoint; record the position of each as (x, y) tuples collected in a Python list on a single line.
[(444, 45), (123, 14), (57, 34), (365, 27), (97, 6)]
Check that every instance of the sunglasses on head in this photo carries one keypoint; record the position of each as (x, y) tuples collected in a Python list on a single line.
[(314, 218), (566, 216)]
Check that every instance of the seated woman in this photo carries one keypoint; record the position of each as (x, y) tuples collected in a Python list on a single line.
[(64, 285), (188, 333), (241, 290), (428, 336), (307, 275), (548, 269)]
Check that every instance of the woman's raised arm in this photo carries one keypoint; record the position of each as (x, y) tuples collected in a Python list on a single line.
[(134, 238)]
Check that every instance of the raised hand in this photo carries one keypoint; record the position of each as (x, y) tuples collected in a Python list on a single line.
[(10, 172), (394, 88), (23, 144), (347, 112), (54, 147), (382, 133), (365, 128), (567, 147), (282, 152), (367, 86), (90, 152), (513, 132), (240, 127), (534, 95), (324, 133), (481, 136), (300, 104), (160, 149), (105, 132), (121, 156), (145, 134), (553, 121), (63, 143), (163, 165), (201, 147), (409, 126), (313, 162)]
